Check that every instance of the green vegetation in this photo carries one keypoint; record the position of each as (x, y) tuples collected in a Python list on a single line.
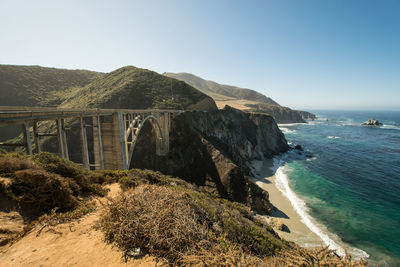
[(44, 181), (134, 88), (211, 88), (39, 86)]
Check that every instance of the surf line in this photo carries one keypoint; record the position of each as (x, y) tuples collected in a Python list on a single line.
[(282, 183)]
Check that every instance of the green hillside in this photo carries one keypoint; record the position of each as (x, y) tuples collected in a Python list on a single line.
[(39, 86), (134, 88), (210, 88)]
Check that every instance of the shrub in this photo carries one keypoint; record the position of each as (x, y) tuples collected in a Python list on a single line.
[(316, 257), (44, 190), (155, 219), (111, 176), (236, 223), (54, 164), (10, 164), (136, 177), (68, 169), (220, 257)]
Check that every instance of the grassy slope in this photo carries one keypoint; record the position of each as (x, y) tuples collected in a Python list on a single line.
[(39, 86), (211, 88), (135, 88)]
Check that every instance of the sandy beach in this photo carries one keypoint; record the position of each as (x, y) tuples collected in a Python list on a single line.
[(296, 230)]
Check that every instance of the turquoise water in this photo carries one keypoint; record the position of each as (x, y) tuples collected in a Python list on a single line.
[(352, 182)]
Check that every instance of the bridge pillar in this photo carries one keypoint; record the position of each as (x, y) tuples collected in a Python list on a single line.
[(97, 144), (113, 141), (162, 142), (27, 138)]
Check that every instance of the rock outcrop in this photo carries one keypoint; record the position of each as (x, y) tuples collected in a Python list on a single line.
[(307, 115), (282, 114), (213, 150), (372, 122)]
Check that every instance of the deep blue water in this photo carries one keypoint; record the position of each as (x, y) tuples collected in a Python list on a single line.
[(352, 183)]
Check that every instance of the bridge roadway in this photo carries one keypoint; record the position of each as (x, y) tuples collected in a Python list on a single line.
[(115, 131)]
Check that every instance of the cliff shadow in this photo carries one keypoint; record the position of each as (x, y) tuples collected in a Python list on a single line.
[(189, 158)]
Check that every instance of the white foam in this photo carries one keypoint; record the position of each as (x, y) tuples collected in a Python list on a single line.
[(391, 127), (282, 183), (289, 124), (334, 137), (286, 130)]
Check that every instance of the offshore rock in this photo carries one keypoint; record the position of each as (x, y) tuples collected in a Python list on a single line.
[(213, 150), (372, 122)]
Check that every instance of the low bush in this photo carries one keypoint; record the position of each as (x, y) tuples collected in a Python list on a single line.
[(157, 220), (86, 180), (220, 257), (111, 176), (298, 256), (44, 190), (9, 164)]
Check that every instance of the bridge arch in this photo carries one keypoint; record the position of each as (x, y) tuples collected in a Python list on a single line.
[(132, 136)]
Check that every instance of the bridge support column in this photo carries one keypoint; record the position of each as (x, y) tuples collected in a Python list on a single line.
[(97, 144), (84, 146), (162, 142), (62, 139), (122, 139), (36, 138), (113, 139), (27, 138)]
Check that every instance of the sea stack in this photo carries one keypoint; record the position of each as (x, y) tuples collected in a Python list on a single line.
[(372, 122)]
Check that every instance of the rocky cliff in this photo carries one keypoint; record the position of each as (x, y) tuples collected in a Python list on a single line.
[(213, 150), (282, 114)]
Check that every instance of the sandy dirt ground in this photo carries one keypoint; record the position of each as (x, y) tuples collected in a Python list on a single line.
[(74, 244)]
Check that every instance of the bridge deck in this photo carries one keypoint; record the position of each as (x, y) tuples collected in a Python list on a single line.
[(21, 114)]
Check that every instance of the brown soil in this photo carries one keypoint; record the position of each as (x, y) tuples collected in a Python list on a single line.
[(235, 103), (71, 244)]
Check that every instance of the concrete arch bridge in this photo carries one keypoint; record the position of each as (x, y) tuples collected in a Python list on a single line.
[(115, 131)]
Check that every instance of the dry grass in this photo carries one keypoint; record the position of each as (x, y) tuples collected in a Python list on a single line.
[(157, 220), (316, 257), (219, 257)]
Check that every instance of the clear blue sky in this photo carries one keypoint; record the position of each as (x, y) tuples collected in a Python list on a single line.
[(303, 54)]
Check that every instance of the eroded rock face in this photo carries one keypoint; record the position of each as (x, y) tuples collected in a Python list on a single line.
[(213, 150), (372, 122)]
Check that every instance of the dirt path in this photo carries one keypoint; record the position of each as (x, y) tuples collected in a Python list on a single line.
[(72, 244)]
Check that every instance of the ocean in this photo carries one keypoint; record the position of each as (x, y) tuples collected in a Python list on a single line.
[(346, 183)]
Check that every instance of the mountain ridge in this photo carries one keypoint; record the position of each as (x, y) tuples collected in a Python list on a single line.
[(247, 100), (208, 86)]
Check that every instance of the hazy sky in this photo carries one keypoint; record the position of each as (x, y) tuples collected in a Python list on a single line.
[(303, 54)]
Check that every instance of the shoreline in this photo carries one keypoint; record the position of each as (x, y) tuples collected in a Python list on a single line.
[(286, 206), (282, 208)]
